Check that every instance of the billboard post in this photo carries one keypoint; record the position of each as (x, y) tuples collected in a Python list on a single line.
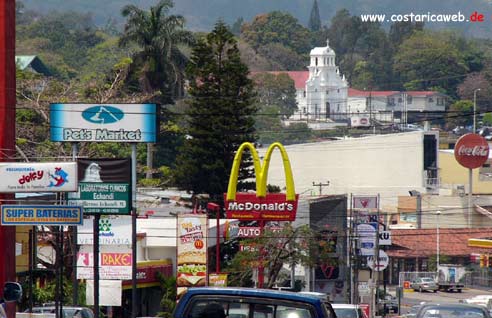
[(262, 206)]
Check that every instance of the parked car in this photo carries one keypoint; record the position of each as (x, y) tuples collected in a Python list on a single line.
[(452, 310), (348, 311), (236, 302), (389, 304), (412, 312), (68, 311), (424, 284)]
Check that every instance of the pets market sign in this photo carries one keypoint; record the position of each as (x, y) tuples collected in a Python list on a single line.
[(104, 122)]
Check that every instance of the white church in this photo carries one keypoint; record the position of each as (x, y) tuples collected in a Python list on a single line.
[(323, 95)]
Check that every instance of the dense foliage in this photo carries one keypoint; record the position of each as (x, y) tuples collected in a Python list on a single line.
[(219, 117)]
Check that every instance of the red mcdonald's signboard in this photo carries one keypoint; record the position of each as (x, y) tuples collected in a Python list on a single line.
[(262, 205)]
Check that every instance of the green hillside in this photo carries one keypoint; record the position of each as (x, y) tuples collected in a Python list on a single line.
[(201, 14)]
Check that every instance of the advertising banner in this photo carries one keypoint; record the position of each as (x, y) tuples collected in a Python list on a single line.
[(113, 230), (38, 177), (191, 251), (41, 215), (104, 187), (217, 280), (104, 123), (115, 262), (365, 202), (262, 205)]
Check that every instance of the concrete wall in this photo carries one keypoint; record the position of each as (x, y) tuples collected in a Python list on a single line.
[(390, 165)]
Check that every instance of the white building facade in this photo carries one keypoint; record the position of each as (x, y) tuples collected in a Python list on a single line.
[(324, 95)]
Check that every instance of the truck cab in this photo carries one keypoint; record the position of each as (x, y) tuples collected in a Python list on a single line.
[(236, 302)]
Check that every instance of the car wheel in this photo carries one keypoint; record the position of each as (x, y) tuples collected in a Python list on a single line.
[(435, 290)]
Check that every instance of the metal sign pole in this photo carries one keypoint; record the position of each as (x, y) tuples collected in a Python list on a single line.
[(95, 240), (134, 229)]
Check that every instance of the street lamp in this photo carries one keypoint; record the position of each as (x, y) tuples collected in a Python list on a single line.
[(438, 213), (475, 109)]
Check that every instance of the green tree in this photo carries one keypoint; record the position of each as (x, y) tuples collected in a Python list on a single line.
[(160, 63), (314, 18), (428, 60), (276, 89), (277, 27), (487, 119), (273, 249), (220, 116), (460, 114), (400, 31), (168, 301)]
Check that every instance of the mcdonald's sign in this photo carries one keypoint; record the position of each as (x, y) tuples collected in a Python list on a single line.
[(262, 205)]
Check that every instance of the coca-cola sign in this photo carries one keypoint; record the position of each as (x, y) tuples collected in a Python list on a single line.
[(471, 151)]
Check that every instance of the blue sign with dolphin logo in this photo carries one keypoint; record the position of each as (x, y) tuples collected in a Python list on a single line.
[(103, 114)]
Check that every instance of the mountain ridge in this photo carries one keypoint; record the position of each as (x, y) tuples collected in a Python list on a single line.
[(201, 15)]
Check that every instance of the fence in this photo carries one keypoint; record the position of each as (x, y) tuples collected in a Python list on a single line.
[(411, 276)]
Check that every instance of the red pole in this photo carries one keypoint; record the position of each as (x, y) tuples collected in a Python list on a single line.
[(7, 133), (217, 243), (261, 269), (216, 207)]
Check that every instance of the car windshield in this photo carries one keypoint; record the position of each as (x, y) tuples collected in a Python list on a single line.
[(427, 280), (346, 312), (451, 312)]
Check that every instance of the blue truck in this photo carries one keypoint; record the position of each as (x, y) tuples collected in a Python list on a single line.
[(238, 302)]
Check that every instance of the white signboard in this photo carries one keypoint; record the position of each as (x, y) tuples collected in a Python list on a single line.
[(38, 177), (110, 292), (365, 202), (381, 264), (367, 239), (364, 289), (104, 122), (384, 238), (113, 230), (115, 262)]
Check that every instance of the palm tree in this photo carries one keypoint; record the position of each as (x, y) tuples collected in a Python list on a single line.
[(160, 63)]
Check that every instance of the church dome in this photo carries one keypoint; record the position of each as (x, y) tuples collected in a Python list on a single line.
[(327, 50)]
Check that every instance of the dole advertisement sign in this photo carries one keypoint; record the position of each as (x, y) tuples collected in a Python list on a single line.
[(262, 205), (471, 151)]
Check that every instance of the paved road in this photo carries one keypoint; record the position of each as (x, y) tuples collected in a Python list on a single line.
[(414, 298)]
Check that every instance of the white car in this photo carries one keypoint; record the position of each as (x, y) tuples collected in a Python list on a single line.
[(348, 311)]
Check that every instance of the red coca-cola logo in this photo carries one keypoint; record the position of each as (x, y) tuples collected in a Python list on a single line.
[(471, 151)]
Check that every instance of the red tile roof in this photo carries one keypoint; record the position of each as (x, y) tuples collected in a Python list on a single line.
[(423, 243)]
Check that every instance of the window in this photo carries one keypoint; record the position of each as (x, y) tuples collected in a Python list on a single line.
[(431, 100), (391, 101), (338, 90), (316, 61), (440, 101), (327, 92), (409, 99), (303, 93), (400, 100), (245, 308)]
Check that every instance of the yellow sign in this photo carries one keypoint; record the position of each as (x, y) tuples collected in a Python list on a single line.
[(261, 171), (262, 206)]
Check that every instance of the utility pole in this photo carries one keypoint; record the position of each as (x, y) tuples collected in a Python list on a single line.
[(321, 185)]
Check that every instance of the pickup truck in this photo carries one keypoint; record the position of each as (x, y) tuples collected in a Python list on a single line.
[(237, 302)]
